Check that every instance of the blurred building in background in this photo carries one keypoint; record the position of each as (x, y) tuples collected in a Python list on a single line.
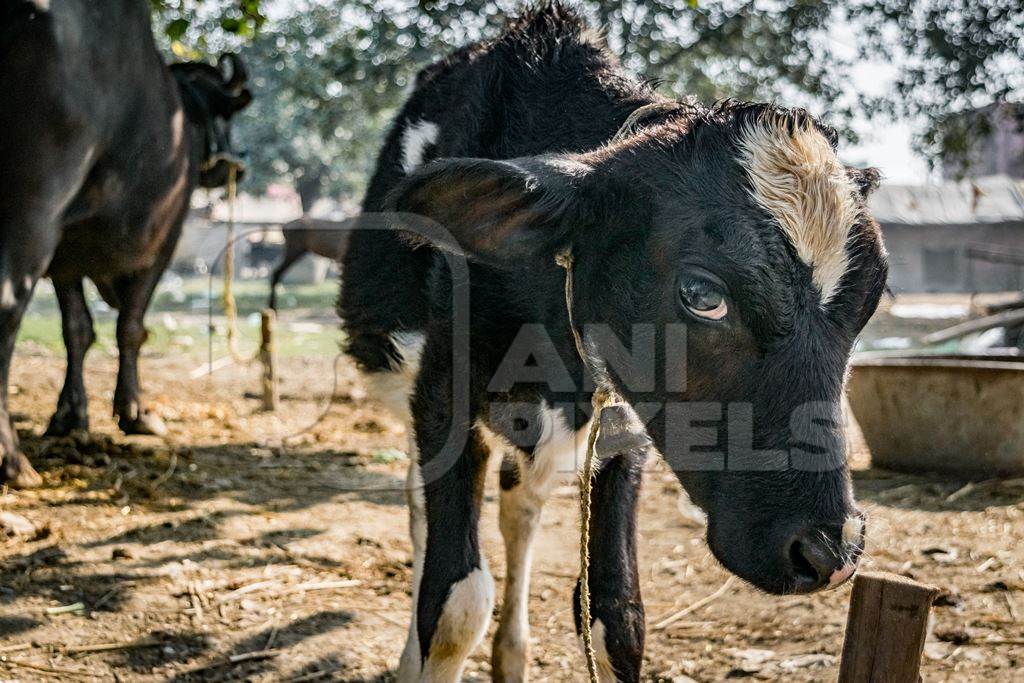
[(957, 236)]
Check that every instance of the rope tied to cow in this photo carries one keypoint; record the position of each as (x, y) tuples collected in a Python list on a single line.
[(228, 296), (602, 398)]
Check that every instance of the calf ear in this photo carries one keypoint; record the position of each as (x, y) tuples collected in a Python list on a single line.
[(494, 211), (867, 180)]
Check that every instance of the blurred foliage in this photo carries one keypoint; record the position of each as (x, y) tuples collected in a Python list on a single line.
[(329, 75), (955, 57), (237, 17)]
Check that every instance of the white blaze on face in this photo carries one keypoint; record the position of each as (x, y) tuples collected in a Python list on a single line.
[(417, 137), (796, 177)]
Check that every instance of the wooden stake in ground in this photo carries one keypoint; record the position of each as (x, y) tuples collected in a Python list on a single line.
[(268, 358), (886, 629)]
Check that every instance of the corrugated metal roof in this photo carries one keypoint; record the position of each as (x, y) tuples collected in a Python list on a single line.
[(996, 199)]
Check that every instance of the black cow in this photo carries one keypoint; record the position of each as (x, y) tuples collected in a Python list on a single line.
[(724, 264), (102, 145)]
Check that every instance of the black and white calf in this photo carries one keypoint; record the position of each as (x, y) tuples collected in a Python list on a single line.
[(724, 264)]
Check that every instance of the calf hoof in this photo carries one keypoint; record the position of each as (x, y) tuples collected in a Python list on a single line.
[(17, 472), (64, 422), (509, 661), (144, 423)]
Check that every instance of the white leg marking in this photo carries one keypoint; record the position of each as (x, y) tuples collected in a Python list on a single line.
[(518, 519), (463, 622), (555, 459), (394, 388), (409, 666), (605, 672), (417, 137)]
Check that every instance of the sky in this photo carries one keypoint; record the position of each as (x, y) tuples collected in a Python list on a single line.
[(888, 148), (884, 144)]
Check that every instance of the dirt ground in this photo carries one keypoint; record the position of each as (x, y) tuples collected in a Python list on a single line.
[(253, 546)]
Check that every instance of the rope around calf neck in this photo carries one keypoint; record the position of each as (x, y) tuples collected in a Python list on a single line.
[(601, 398)]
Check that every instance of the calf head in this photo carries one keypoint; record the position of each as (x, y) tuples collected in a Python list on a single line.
[(212, 96), (735, 237)]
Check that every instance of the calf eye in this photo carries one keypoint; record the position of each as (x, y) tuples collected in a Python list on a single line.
[(703, 298)]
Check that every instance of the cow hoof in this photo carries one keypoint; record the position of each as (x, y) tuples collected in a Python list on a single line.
[(18, 473), (64, 422), (146, 423)]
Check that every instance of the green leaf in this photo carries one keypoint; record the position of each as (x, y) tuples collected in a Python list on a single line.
[(176, 29), (231, 24)]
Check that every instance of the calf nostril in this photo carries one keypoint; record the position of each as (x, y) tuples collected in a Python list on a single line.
[(803, 571), (812, 564)]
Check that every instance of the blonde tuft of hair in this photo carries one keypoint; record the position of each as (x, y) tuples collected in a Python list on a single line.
[(796, 177)]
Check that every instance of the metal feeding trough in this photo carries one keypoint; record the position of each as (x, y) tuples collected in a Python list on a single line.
[(957, 414)]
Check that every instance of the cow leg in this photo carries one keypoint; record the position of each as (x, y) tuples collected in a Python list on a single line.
[(525, 488), (25, 252), (15, 469), (134, 293), (76, 322), (290, 257), (616, 609), (456, 592), (46, 158)]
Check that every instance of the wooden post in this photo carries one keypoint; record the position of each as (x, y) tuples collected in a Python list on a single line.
[(886, 629), (268, 358)]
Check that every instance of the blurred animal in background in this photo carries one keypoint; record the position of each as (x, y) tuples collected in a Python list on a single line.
[(101, 148), (308, 236)]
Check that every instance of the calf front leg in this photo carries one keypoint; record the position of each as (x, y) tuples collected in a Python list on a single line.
[(616, 608), (78, 332), (456, 593)]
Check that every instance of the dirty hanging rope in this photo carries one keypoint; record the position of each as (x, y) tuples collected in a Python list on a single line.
[(602, 397), (228, 297)]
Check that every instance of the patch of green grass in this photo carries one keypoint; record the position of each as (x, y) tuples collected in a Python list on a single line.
[(192, 296), (250, 296), (386, 456), (44, 331), (177, 320), (41, 330)]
